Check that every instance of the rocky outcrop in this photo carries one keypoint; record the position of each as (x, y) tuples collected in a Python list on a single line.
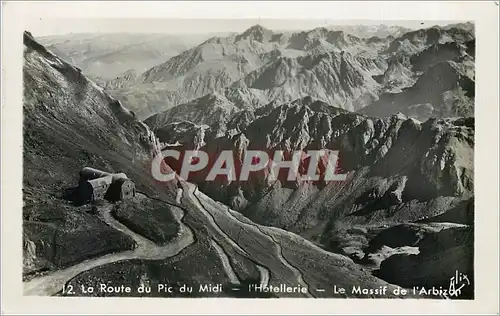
[(444, 254), (322, 38), (336, 78)]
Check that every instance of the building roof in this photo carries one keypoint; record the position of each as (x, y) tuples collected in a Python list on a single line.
[(88, 173), (99, 182), (118, 176)]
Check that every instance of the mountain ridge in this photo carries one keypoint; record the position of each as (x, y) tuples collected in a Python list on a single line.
[(229, 63)]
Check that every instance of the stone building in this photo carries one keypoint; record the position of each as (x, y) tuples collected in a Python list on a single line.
[(97, 185), (121, 189)]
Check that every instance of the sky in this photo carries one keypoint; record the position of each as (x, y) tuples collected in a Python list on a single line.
[(58, 26), (201, 17)]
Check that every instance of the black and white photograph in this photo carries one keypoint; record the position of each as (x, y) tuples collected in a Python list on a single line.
[(251, 158)]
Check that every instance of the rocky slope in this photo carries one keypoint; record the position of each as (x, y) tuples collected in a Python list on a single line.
[(128, 78), (340, 79), (436, 81), (207, 110), (70, 123), (397, 76)]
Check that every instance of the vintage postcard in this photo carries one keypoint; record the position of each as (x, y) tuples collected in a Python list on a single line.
[(231, 158)]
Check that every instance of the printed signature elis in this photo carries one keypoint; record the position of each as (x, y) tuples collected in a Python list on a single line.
[(460, 280), (457, 283)]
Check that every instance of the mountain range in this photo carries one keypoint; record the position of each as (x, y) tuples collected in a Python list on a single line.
[(398, 107), (258, 66)]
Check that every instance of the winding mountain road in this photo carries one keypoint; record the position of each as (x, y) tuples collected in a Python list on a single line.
[(194, 194), (188, 193), (51, 284)]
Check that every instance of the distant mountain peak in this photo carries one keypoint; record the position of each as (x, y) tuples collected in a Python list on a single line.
[(257, 33), (257, 28)]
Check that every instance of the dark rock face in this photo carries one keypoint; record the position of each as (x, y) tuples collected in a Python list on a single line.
[(430, 74), (443, 255), (435, 54)]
